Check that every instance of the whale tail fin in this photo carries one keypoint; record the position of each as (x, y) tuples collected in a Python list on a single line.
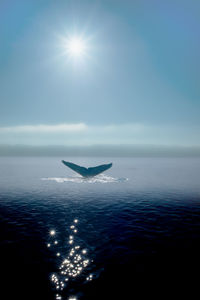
[(87, 172)]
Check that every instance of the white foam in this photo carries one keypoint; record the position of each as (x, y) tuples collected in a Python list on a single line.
[(78, 179)]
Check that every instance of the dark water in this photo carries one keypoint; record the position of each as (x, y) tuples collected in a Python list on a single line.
[(133, 230)]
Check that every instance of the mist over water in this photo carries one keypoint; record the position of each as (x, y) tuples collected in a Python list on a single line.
[(66, 237)]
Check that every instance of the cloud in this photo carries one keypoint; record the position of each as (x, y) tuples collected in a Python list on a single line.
[(44, 128), (72, 134), (110, 134)]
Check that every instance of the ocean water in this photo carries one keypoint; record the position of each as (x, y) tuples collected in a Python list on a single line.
[(132, 230)]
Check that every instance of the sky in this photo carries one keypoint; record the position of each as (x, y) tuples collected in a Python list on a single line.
[(136, 83)]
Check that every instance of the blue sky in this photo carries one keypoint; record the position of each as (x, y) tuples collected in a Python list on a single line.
[(138, 83)]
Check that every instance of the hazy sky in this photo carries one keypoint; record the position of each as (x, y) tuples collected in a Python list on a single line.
[(138, 82)]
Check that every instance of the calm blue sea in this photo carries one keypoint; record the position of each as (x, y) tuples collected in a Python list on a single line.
[(133, 229)]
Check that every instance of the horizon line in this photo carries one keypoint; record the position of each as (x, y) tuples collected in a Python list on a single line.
[(110, 150)]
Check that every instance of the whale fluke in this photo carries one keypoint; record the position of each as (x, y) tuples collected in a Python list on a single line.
[(87, 172)]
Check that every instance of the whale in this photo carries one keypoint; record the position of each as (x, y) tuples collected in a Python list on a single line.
[(87, 172)]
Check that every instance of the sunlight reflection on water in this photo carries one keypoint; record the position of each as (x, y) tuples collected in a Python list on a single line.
[(73, 265)]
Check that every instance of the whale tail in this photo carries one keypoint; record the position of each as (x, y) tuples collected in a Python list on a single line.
[(87, 172)]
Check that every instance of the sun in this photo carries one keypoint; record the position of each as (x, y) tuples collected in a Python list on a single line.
[(76, 47)]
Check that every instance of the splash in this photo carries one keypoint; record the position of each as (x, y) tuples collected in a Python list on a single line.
[(78, 179)]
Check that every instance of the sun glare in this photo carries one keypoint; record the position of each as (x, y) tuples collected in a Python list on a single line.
[(76, 47)]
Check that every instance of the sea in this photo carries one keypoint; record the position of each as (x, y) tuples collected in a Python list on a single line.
[(128, 233)]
